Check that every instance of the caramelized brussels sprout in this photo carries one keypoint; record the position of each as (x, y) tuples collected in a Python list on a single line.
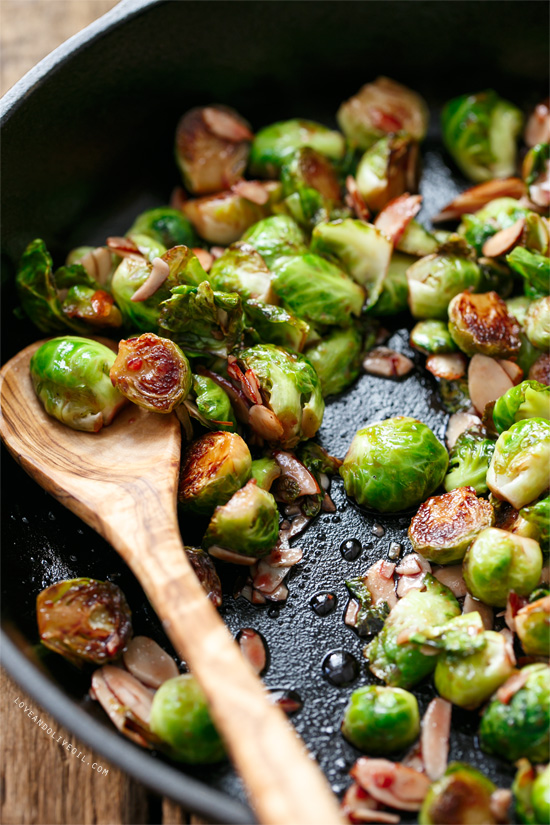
[(445, 525), (165, 226), (213, 404), (518, 471), (463, 794), (242, 270), (519, 727), (383, 107), (273, 145), (310, 186), (526, 400), (223, 218), (386, 171), (480, 132), (70, 376), (418, 464), (151, 372), (248, 524), (180, 717), (434, 280), (533, 627), (213, 467), (481, 323), (533, 268), (531, 791), (264, 471), (498, 562), (417, 241), (270, 324), (394, 294), (432, 338), (84, 620), (538, 514), (537, 323), (94, 307), (337, 360), (276, 238), (205, 572), (469, 461), (381, 720)]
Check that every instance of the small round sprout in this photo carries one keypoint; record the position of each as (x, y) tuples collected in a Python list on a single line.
[(417, 467), (432, 338), (541, 796), (241, 269), (310, 186), (276, 237), (519, 727), (180, 717), (446, 525), (248, 524), (84, 620), (273, 145), (518, 471), (213, 468), (533, 627), (469, 461), (224, 217), (70, 376), (152, 372), (381, 720), (498, 562), (463, 794), (337, 359), (468, 681), (481, 323), (537, 323), (538, 516), (434, 280), (165, 226), (530, 399)]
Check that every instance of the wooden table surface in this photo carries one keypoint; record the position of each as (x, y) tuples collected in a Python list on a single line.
[(42, 782)]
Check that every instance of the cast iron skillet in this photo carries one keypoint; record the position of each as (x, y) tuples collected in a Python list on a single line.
[(87, 139)]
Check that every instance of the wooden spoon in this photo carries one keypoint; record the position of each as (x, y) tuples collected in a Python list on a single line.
[(122, 481)]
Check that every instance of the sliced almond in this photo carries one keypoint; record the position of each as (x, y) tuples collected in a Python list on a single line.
[(391, 783), (157, 277), (487, 381), (253, 648), (251, 190), (387, 363), (229, 556), (265, 423), (450, 366), (459, 423), (537, 129), (148, 662), (513, 370), (504, 240), (226, 125), (205, 258), (473, 199), (397, 215), (451, 576), (436, 729)]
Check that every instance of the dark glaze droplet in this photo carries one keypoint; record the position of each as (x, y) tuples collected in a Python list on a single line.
[(340, 668), (288, 700), (351, 549), (323, 603)]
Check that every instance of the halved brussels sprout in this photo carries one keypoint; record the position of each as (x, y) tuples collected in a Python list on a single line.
[(417, 241), (463, 794), (530, 399), (248, 524), (164, 225), (151, 372), (84, 620), (469, 680), (264, 471), (70, 376), (538, 515), (533, 268), (337, 359), (498, 562), (537, 323), (418, 464), (94, 307), (496, 215), (518, 471), (213, 467), (519, 727), (271, 324), (310, 186), (214, 404), (242, 270), (481, 323), (404, 664), (461, 636), (535, 171), (359, 248), (434, 280), (380, 720), (383, 107), (180, 717), (276, 237), (533, 627), (224, 217), (387, 170), (469, 461), (480, 132), (531, 789), (274, 144), (394, 294), (445, 525), (432, 338), (541, 795), (317, 290)]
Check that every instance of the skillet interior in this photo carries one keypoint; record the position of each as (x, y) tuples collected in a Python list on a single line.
[(87, 150)]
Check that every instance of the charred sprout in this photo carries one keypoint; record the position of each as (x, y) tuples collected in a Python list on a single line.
[(481, 323), (273, 145), (463, 794), (387, 170), (213, 468)]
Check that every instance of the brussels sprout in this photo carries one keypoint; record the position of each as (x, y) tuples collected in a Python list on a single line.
[(541, 795), (432, 338), (201, 320), (533, 627), (461, 636), (534, 269), (418, 464), (213, 404), (94, 307), (166, 226), (495, 277), (469, 680), (387, 170), (417, 241), (526, 400), (275, 238), (146, 246), (151, 372), (455, 396), (84, 620), (70, 376), (180, 717), (37, 290), (224, 217), (275, 325), (243, 270), (445, 525), (538, 514), (404, 664), (394, 294), (535, 234), (480, 132), (381, 107), (317, 290), (535, 170), (212, 145), (291, 388), (213, 467), (522, 789), (337, 360), (481, 323), (537, 323), (264, 472), (498, 562), (381, 719), (273, 145), (310, 186), (435, 279), (518, 307), (248, 524), (359, 248), (469, 461), (518, 471), (496, 215), (463, 794), (519, 726)]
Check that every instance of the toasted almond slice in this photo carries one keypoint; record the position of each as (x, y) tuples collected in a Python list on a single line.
[(265, 423), (205, 258), (97, 264), (501, 799), (294, 469), (278, 595), (124, 247), (358, 806), (380, 585), (513, 370), (227, 555), (253, 648), (251, 190), (537, 129), (436, 729), (130, 692), (508, 690), (450, 366), (397, 215), (459, 423), (157, 277), (225, 125), (148, 662), (391, 783), (473, 199), (355, 200), (487, 381), (284, 556), (387, 363), (504, 240), (452, 578)]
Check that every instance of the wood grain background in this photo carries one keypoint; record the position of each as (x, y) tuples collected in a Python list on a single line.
[(41, 782)]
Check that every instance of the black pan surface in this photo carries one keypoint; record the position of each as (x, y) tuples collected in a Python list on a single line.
[(79, 166)]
